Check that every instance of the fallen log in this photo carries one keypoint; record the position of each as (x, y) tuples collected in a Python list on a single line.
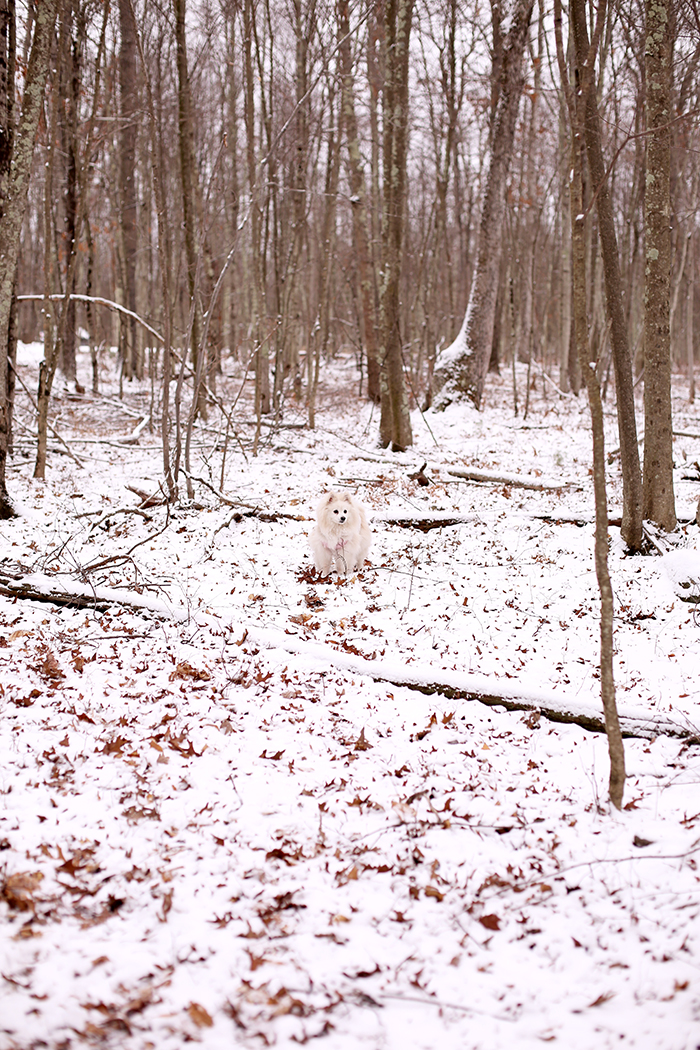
[(20, 583), (17, 582), (513, 480), (424, 524), (512, 695)]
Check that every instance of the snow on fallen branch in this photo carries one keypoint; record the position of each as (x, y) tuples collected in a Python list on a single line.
[(454, 685), (514, 480), (466, 686), (42, 587)]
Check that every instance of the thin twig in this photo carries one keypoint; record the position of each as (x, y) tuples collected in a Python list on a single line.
[(113, 558)]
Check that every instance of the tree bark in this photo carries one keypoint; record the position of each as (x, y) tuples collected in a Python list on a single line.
[(689, 338), (165, 266), (318, 341), (358, 201), (257, 287), (462, 367), (70, 63), (188, 175), (14, 182), (128, 123), (577, 109), (55, 334), (622, 360), (395, 424), (658, 498)]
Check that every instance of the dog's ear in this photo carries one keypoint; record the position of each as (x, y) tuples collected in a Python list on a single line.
[(330, 498)]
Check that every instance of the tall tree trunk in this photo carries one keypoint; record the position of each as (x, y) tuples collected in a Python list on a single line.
[(70, 93), (395, 424), (229, 307), (629, 452), (375, 84), (16, 152), (165, 267), (439, 284), (462, 367), (659, 503), (257, 290), (321, 328), (358, 201), (56, 332), (128, 124), (188, 174), (8, 46), (590, 375), (52, 329), (689, 336), (565, 276)]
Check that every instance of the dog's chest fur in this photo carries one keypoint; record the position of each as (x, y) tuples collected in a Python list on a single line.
[(336, 536)]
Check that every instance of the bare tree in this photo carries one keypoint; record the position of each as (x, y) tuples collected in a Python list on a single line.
[(17, 137), (577, 109), (164, 258), (659, 503), (188, 175), (461, 368), (128, 225), (362, 259), (586, 53), (395, 424), (257, 286)]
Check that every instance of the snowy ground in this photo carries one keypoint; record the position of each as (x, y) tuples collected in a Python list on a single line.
[(222, 823)]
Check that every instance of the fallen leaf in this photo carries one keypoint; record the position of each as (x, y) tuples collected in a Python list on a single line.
[(167, 905), (361, 744), (50, 668), (604, 998), (19, 889), (185, 670), (491, 922), (177, 743), (431, 891), (114, 746)]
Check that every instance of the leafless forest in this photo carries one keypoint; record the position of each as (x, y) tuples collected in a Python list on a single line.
[(272, 181)]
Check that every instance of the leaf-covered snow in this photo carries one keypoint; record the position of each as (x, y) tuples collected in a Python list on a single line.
[(214, 828)]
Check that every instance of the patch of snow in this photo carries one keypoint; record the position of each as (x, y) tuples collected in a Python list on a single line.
[(221, 823)]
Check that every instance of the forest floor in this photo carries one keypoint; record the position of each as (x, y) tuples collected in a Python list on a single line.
[(228, 814)]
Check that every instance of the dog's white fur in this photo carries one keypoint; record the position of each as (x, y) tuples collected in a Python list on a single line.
[(342, 536)]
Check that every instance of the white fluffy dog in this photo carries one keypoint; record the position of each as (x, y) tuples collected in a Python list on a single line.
[(342, 536)]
